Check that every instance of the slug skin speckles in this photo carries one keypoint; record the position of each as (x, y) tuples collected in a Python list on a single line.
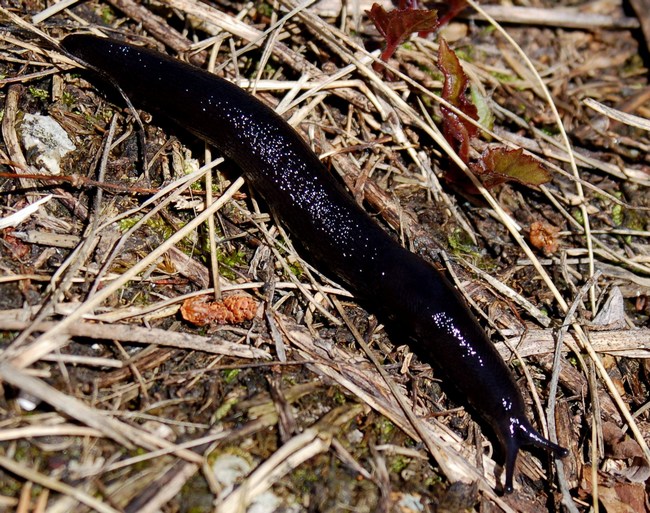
[(336, 235)]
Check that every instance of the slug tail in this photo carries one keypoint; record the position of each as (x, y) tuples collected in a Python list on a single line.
[(523, 434)]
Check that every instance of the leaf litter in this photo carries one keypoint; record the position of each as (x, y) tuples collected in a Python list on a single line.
[(127, 418)]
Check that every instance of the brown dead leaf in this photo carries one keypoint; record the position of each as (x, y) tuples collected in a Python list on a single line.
[(230, 310), (616, 496), (618, 445)]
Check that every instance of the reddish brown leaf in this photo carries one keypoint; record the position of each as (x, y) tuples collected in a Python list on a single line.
[(457, 130), (449, 10), (498, 165), (397, 25), (446, 10), (409, 4)]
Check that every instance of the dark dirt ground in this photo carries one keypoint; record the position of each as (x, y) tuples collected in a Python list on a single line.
[(112, 401)]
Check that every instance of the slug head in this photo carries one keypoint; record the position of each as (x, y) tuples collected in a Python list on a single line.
[(517, 433)]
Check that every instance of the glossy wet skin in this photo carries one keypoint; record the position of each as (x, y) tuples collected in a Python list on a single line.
[(336, 235)]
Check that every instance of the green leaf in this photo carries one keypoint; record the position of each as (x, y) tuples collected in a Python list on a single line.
[(498, 165)]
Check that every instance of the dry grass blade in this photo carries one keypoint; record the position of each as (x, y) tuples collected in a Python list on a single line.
[(165, 338), (45, 431), (568, 17), (617, 115)]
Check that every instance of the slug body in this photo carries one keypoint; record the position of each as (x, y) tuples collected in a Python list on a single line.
[(337, 235)]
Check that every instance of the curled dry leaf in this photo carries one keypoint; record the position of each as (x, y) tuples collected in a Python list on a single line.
[(544, 236), (618, 444), (230, 310)]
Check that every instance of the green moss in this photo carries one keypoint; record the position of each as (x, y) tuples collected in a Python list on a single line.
[(386, 430), (157, 224), (161, 227), (230, 375), (634, 65), (102, 118), (107, 15), (223, 410), (305, 478), (551, 130), (577, 215), (618, 215), (128, 222), (139, 466), (196, 509), (460, 243), (428, 102), (38, 94), (67, 99), (464, 54), (265, 9), (398, 463), (409, 442), (233, 259), (296, 269), (229, 261), (635, 220), (6, 337), (10, 487), (503, 78), (339, 397), (434, 482)]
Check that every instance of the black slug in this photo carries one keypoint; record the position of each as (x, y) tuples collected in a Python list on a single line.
[(337, 235)]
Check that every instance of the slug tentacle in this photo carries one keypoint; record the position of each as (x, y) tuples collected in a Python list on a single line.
[(522, 434), (335, 233)]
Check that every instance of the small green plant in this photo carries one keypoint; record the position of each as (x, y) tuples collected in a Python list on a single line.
[(38, 94), (107, 15)]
